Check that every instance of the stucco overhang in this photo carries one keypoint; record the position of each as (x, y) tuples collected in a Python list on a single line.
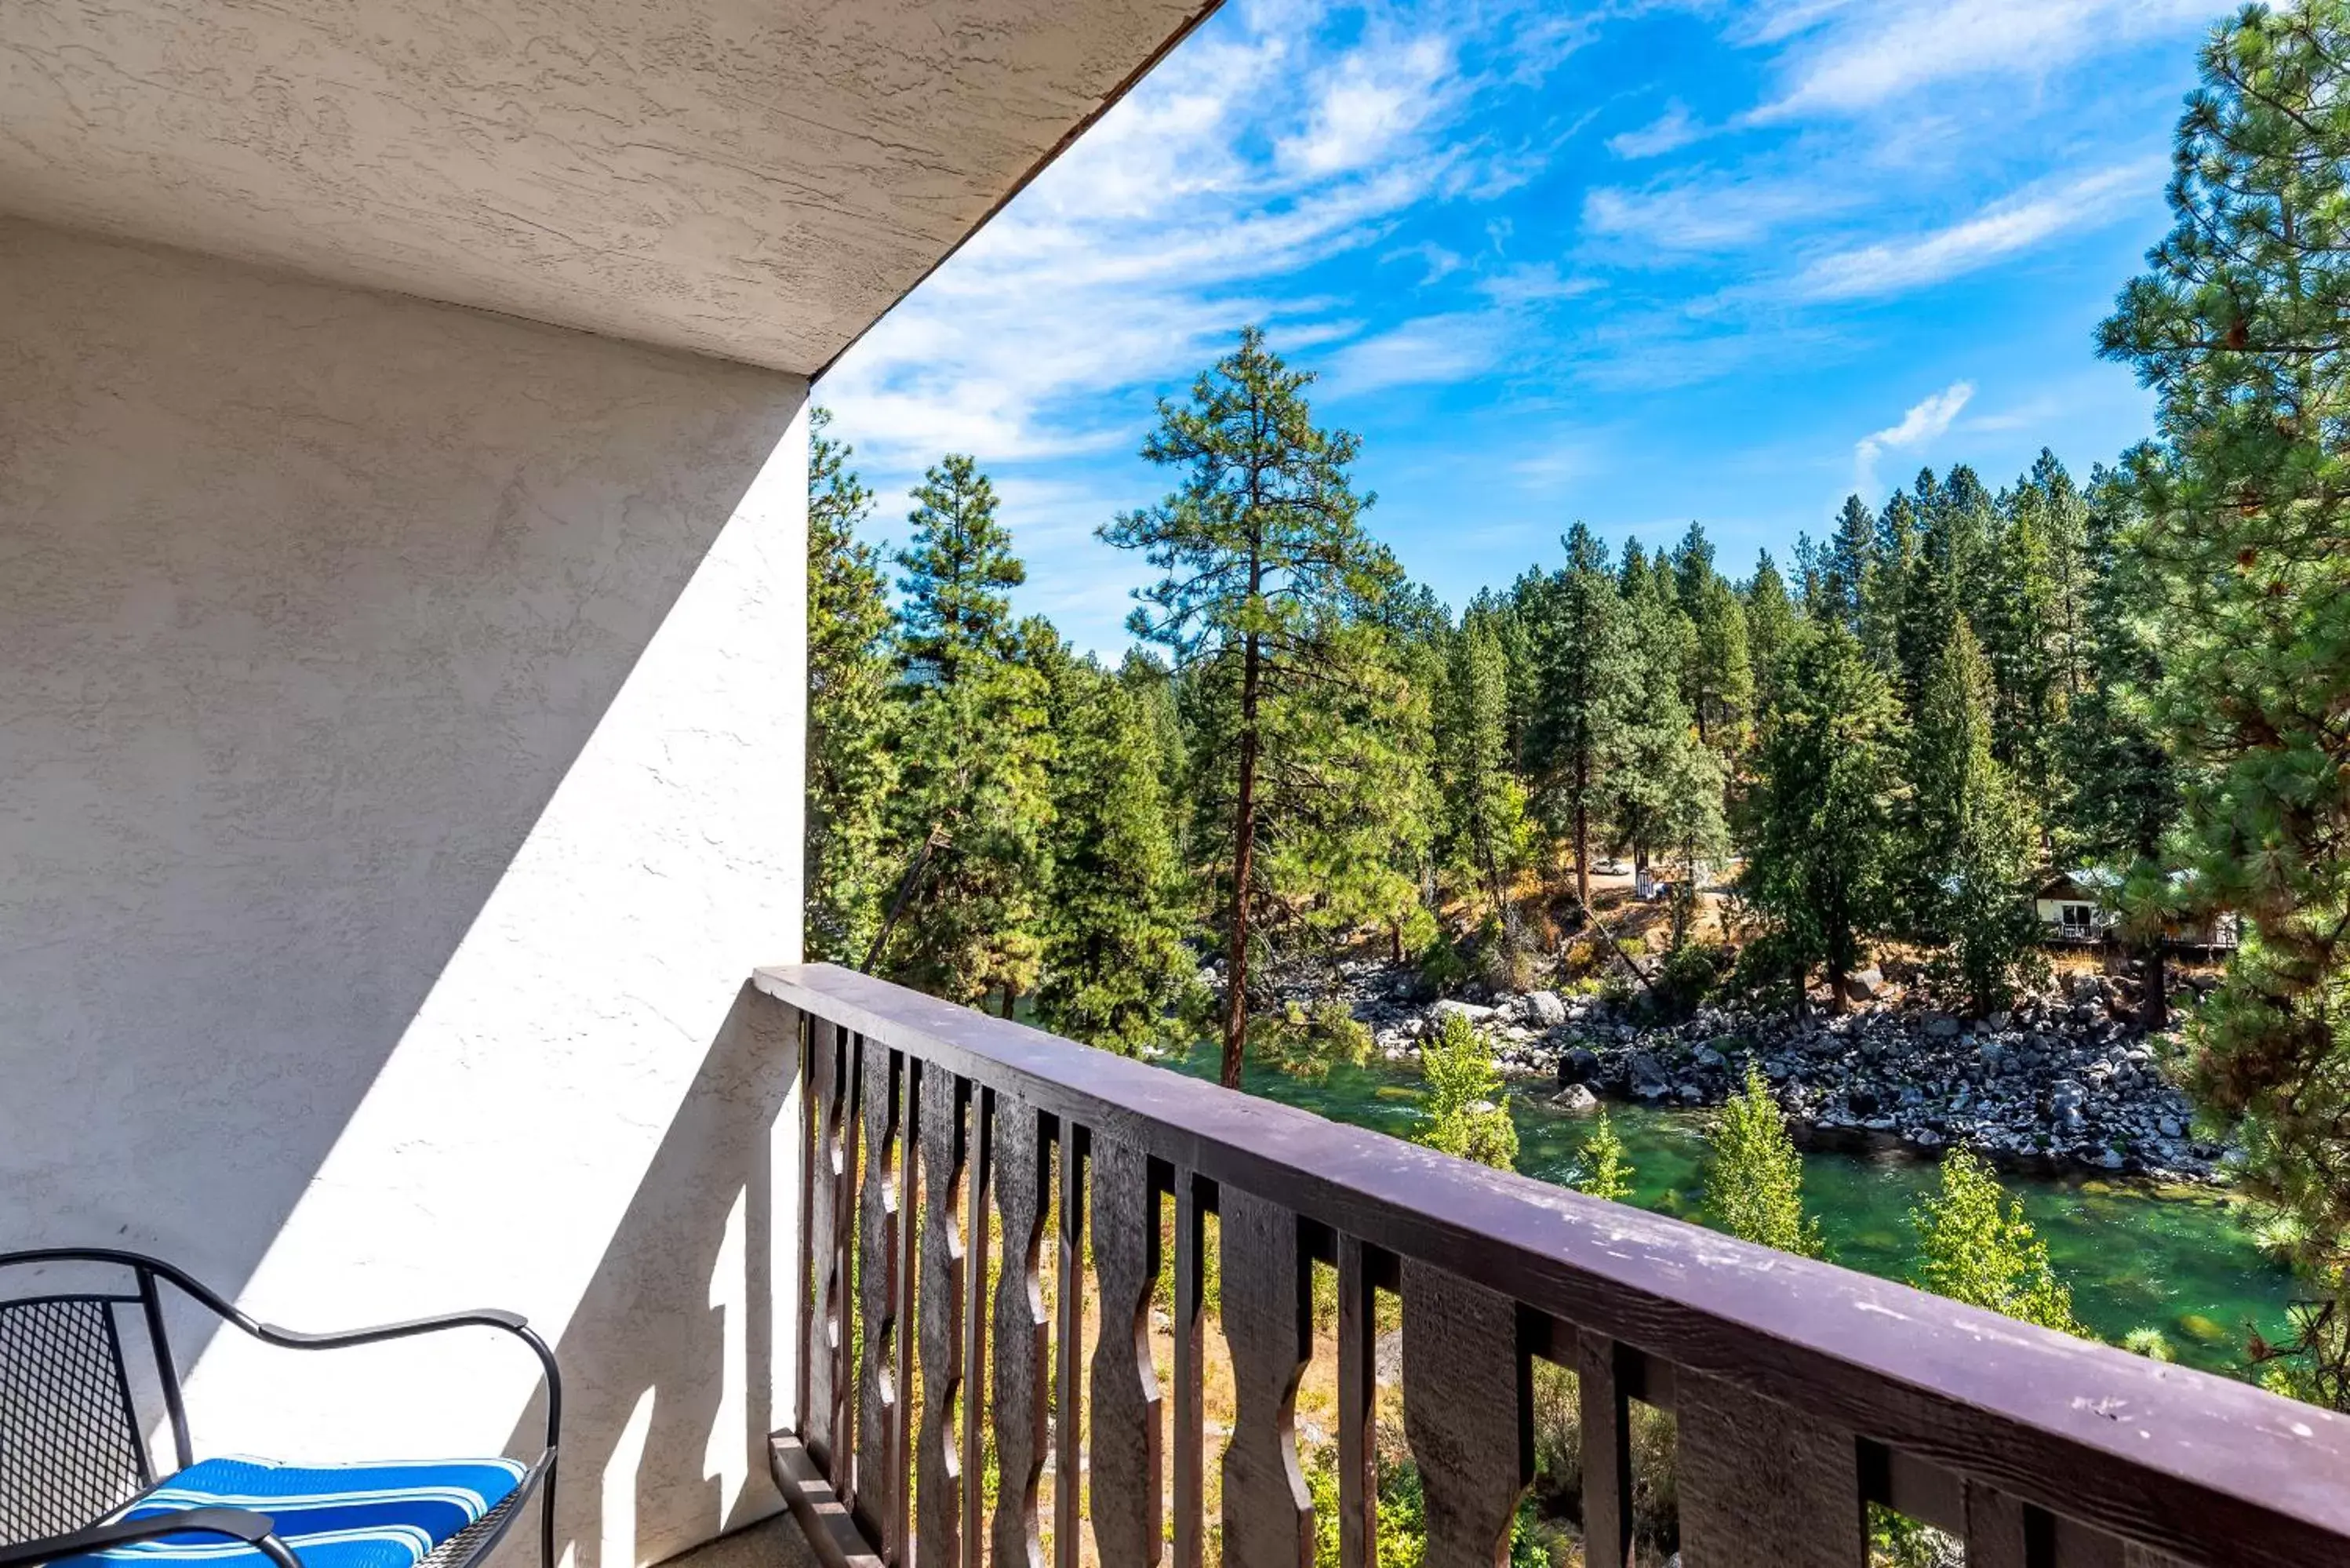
[(756, 179)]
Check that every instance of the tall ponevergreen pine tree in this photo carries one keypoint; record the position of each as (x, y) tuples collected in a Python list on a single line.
[(2242, 525), (851, 761), (1269, 577)]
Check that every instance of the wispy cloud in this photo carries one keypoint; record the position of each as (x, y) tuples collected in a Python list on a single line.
[(1670, 131), (1430, 351), (1707, 213), (1926, 419), (1851, 56), (2001, 229)]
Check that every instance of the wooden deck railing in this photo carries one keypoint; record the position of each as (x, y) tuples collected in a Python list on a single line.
[(1801, 1391)]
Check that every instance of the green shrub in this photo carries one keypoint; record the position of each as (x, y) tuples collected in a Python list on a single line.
[(1467, 1115), (1607, 1173), (1754, 1186), (1975, 1249)]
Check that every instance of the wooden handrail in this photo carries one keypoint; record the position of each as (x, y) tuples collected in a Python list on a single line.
[(1953, 1413)]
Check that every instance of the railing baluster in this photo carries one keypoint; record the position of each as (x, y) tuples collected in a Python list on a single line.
[(1124, 1445), (821, 1343), (1187, 1458), (1606, 1453), (1464, 1413), (1022, 1192), (909, 1237), (979, 1182), (1359, 1494), (1269, 1324), (938, 1463), (846, 1332), (1068, 1346), (877, 1483), (1760, 1482), (1995, 1530)]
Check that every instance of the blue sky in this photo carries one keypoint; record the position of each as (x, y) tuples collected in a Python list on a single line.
[(1636, 264)]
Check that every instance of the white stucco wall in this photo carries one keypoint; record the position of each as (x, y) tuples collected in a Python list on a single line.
[(400, 717)]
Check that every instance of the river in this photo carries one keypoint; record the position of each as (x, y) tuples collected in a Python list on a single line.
[(2183, 1261)]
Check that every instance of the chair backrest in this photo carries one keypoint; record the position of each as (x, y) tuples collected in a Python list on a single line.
[(72, 1447)]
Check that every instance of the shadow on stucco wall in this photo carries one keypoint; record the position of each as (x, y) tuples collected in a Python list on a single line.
[(316, 600), (671, 1352)]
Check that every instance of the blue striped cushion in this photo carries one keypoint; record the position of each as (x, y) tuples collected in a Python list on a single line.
[(332, 1516)]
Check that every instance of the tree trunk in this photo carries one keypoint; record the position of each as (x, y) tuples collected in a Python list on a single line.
[(1581, 836), (1837, 1002), (1011, 999), (1244, 867), (1802, 978), (2154, 1007)]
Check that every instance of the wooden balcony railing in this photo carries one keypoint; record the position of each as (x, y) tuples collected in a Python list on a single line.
[(1801, 1391)]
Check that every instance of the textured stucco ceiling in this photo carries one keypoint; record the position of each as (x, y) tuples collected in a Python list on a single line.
[(758, 178)]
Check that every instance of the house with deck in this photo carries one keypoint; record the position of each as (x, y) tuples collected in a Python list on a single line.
[(403, 452)]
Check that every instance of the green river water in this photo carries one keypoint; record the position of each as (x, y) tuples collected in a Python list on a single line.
[(2183, 1261)]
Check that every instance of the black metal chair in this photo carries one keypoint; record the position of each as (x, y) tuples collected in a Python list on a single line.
[(74, 1455)]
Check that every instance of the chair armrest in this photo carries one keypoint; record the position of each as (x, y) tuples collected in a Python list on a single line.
[(478, 1317), (255, 1530)]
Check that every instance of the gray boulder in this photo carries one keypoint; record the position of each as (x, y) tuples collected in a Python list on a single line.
[(1575, 1100), (1864, 984), (1546, 1009)]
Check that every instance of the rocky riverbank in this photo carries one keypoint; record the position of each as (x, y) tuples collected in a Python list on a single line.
[(2066, 1082)]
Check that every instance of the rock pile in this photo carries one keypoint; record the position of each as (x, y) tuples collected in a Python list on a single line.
[(2066, 1082)]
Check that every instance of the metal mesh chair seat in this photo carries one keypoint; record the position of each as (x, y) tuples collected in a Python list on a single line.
[(74, 1459)]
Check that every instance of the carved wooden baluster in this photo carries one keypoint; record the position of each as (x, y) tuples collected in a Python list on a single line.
[(1269, 1324), (937, 1455), (878, 1485), (1996, 1530), (1068, 1346), (1358, 1495), (1760, 1482), (1606, 1453), (822, 1341), (1187, 1459), (910, 1265), (1464, 1413), (1022, 1193), (979, 1182), (1125, 1445), (847, 1332)]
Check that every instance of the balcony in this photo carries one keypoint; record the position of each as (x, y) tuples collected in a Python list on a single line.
[(1802, 1392)]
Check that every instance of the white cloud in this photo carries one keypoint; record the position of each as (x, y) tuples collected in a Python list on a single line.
[(1846, 58), (1534, 283), (1376, 98), (1669, 130), (2012, 225), (1925, 420), (1711, 214), (1433, 350)]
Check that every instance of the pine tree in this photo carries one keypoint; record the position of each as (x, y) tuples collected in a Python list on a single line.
[(1587, 674), (976, 741), (1972, 837), (1852, 553), (2129, 789), (959, 569), (1485, 833), (851, 763), (1755, 1181), (1770, 633), (2243, 529), (1974, 1248), (1269, 574), (1885, 584), (1818, 829), (1113, 958), (2016, 624), (1721, 683)]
